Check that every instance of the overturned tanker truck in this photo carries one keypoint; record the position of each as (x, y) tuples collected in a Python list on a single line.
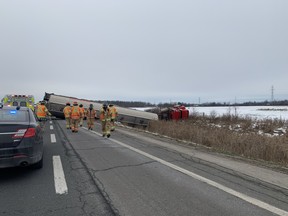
[(56, 103)]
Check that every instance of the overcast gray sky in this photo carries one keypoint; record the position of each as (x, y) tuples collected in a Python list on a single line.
[(145, 50)]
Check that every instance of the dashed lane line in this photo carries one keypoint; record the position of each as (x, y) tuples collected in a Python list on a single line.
[(53, 138), (242, 196), (59, 177), (51, 127)]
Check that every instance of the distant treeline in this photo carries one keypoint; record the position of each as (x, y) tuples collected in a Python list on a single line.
[(147, 104), (250, 103), (128, 103)]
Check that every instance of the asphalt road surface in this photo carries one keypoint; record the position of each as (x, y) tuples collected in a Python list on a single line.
[(136, 173)]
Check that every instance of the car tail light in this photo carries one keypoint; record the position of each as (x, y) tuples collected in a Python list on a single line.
[(30, 132), (25, 133)]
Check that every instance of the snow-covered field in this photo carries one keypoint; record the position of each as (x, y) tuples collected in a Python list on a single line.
[(260, 112)]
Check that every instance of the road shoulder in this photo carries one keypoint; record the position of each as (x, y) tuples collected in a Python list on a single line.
[(260, 170)]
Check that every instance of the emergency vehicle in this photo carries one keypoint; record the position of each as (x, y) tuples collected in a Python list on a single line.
[(19, 100)]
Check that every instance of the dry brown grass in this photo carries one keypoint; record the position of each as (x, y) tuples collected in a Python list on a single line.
[(231, 134)]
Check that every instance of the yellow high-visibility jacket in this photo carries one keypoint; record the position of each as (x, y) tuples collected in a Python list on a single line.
[(113, 112), (105, 115), (91, 113), (67, 111)]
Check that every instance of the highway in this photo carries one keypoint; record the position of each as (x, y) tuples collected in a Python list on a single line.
[(137, 173)]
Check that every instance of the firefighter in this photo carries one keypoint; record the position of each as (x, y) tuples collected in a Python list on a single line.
[(113, 114), (76, 114), (42, 111), (67, 113), (90, 116), (83, 114), (105, 120), (36, 106)]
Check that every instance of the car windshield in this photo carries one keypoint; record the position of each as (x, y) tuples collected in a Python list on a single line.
[(13, 116), (23, 103)]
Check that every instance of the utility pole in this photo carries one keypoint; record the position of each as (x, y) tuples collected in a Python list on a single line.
[(272, 94)]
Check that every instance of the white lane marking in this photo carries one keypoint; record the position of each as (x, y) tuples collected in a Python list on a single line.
[(50, 122), (59, 177), (51, 127), (53, 138), (242, 196)]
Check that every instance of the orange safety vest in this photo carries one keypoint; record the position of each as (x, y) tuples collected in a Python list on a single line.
[(41, 111), (75, 112), (67, 111)]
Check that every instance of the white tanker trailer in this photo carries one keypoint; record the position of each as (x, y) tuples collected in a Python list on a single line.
[(56, 103)]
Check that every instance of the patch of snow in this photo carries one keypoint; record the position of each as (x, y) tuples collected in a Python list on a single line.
[(259, 112)]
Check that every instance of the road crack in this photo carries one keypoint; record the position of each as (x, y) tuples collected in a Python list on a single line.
[(122, 166)]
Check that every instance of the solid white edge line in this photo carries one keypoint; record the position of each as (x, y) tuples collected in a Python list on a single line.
[(242, 196), (51, 127), (251, 200), (59, 177), (53, 138)]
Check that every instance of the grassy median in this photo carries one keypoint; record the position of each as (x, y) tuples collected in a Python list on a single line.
[(264, 140)]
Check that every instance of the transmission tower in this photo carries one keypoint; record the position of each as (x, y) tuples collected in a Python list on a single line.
[(272, 93)]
